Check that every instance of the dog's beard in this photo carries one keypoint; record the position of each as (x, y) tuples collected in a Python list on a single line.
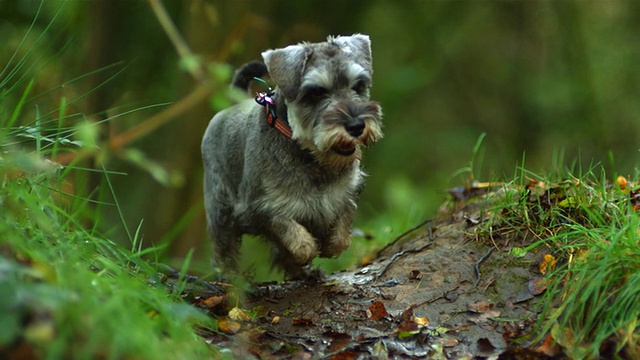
[(327, 138)]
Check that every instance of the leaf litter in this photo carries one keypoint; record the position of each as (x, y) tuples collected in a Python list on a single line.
[(446, 289)]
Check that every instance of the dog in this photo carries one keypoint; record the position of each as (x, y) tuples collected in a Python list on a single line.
[(286, 166)]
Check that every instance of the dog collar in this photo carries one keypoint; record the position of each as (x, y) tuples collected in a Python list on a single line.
[(266, 99)]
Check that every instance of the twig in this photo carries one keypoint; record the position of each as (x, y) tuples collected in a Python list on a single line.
[(174, 35), (476, 268), (175, 274), (188, 102), (436, 298), (404, 234), (398, 255)]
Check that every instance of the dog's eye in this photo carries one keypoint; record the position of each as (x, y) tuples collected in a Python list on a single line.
[(315, 93), (359, 87)]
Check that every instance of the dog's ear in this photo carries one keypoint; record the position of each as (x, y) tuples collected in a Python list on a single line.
[(286, 67), (359, 45)]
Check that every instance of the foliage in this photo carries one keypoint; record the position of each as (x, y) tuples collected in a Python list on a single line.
[(66, 289), (69, 292), (590, 230)]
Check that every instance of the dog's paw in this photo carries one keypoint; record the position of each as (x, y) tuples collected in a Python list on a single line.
[(336, 246), (300, 244), (304, 251)]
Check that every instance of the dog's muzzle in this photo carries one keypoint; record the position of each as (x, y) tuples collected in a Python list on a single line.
[(355, 128)]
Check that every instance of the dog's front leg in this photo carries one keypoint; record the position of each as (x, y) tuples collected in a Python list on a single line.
[(296, 239), (339, 240)]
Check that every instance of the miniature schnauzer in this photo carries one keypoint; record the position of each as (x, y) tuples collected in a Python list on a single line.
[(287, 165)]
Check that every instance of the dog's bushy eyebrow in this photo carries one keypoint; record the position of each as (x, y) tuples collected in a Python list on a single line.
[(365, 79), (317, 78), (354, 71)]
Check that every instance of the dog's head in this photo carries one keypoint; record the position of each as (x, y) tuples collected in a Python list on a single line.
[(326, 90)]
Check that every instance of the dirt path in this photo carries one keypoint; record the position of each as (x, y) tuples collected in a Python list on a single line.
[(437, 292)]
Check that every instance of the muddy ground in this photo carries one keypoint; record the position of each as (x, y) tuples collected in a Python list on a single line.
[(439, 291)]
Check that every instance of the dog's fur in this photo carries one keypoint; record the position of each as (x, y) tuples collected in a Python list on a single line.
[(298, 193)]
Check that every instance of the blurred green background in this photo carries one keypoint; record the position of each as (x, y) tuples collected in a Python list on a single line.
[(556, 81)]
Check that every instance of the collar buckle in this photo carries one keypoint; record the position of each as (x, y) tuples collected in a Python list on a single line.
[(266, 99)]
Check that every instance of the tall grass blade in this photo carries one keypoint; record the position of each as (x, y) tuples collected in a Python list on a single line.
[(18, 108)]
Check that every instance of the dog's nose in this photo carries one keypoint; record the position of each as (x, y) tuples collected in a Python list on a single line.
[(355, 127)]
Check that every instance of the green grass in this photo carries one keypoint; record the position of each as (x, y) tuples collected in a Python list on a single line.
[(591, 226), (68, 291)]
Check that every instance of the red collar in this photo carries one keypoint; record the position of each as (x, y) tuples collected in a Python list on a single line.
[(266, 99)]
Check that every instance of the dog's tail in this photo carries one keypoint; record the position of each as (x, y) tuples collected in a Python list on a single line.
[(245, 74)]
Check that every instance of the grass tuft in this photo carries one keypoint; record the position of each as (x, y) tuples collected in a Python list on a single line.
[(68, 291), (591, 228)]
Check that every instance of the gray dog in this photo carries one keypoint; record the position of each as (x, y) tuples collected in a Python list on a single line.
[(288, 167)]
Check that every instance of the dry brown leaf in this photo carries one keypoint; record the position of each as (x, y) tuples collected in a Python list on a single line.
[(485, 317), (229, 327), (548, 264), (480, 306), (421, 321), (449, 342), (548, 347), (301, 322), (537, 286), (213, 301), (376, 311)]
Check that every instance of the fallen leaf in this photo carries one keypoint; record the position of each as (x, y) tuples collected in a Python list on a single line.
[(421, 321), (229, 327), (480, 306), (366, 260), (238, 314), (438, 352), (408, 325), (548, 264), (532, 184), (407, 334), (379, 350), (437, 331), (622, 182), (415, 275), (275, 320), (338, 341), (537, 286), (346, 355), (301, 322), (376, 311), (449, 342), (213, 301), (548, 347), (407, 315), (411, 324), (484, 318)]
